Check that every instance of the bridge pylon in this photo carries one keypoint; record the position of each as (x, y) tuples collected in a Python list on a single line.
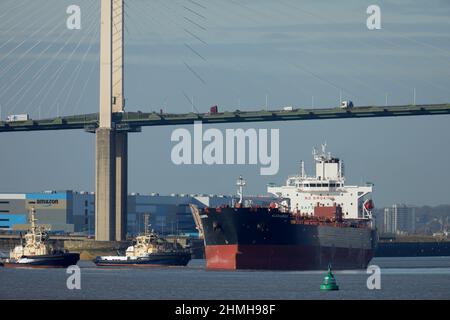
[(111, 185)]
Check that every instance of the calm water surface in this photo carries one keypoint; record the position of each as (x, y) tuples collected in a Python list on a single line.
[(401, 278)]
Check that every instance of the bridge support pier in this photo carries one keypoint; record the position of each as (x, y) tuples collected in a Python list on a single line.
[(105, 190), (111, 185), (121, 150)]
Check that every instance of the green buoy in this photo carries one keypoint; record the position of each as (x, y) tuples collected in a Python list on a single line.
[(329, 282)]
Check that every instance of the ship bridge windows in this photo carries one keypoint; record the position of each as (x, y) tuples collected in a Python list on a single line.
[(320, 185)]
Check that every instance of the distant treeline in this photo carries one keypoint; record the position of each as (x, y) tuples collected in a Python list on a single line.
[(432, 219)]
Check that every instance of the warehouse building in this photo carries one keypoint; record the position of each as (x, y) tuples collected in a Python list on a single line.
[(74, 212), (54, 209)]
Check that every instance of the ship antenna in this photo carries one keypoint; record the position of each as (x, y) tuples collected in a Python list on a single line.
[(146, 225), (33, 219), (302, 169), (325, 154), (241, 183)]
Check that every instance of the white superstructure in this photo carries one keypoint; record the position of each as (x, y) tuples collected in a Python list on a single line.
[(326, 189), (35, 241)]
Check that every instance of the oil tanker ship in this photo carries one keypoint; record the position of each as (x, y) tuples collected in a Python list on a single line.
[(312, 222)]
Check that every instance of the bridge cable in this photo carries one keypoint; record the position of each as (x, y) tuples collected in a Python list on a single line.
[(26, 68), (43, 69), (315, 15), (62, 67), (79, 67), (30, 36), (12, 17)]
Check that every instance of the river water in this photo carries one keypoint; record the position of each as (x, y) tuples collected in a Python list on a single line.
[(401, 278)]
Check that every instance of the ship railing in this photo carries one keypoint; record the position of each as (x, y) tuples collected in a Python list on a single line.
[(308, 220)]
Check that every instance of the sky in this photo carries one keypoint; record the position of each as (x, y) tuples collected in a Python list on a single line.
[(233, 54)]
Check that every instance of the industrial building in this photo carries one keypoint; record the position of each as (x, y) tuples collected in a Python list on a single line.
[(74, 212), (167, 214), (54, 209)]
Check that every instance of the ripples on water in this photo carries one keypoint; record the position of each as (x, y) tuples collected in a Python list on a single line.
[(401, 278)]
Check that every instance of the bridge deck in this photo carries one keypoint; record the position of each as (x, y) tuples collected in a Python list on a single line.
[(133, 121)]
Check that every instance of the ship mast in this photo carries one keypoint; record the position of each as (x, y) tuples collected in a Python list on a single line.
[(302, 169), (33, 221), (146, 223), (241, 184)]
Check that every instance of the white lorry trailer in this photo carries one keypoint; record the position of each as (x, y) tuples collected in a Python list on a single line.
[(18, 118)]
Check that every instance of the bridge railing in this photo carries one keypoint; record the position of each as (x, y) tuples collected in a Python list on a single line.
[(133, 120)]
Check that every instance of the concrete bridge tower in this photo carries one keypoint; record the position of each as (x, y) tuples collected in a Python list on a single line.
[(111, 145)]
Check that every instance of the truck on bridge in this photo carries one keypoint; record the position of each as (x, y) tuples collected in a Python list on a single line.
[(346, 105), (18, 118)]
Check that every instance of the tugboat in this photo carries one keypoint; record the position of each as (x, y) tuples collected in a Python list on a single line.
[(36, 252), (149, 250)]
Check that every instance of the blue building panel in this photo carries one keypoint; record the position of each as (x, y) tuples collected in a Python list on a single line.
[(7, 221), (46, 196)]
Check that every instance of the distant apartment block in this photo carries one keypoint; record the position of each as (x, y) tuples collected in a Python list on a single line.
[(398, 219)]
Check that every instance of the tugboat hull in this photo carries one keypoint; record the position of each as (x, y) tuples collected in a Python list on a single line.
[(62, 260), (150, 261)]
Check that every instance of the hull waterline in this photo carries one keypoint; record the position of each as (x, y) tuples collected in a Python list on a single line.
[(46, 261)]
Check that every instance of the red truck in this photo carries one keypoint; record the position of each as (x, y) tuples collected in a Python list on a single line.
[(214, 110)]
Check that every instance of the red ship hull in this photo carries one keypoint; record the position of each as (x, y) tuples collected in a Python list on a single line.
[(267, 239), (283, 257)]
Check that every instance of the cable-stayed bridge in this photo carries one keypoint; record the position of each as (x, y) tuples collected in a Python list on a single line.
[(134, 121), (112, 123)]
